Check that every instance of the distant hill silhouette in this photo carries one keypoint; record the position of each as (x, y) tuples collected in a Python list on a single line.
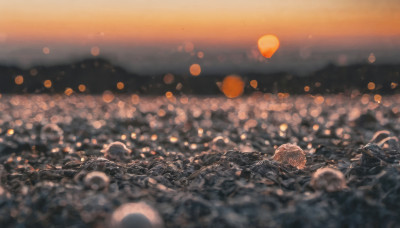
[(100, 74)]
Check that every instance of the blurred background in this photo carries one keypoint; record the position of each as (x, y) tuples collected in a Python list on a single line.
[(154, 38)]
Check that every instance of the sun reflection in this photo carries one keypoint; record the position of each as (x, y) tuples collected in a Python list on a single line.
[(232, 86), (195, 69), (268, 44)]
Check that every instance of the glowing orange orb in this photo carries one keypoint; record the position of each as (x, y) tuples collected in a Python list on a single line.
[(232, 86), (195, 69), (268, 45)]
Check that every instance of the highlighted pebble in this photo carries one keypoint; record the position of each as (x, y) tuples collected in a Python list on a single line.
[(221, 144), (290, 154), (138, 215), (328, 179), (51, 133), (96, 180), (117, 151)]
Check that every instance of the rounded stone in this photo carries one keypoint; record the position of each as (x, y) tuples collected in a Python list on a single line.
[(290, 154), (328, 179)]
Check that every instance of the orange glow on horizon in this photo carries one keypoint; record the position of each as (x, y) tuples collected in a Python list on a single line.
[(60, 22)]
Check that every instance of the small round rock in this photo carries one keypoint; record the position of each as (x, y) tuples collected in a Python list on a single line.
[(328, 179), (51, 133), (96, 180), (139, 215), (290, 154), (117, 151)]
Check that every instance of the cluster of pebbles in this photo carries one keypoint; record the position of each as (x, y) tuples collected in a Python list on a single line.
[(258, 161)]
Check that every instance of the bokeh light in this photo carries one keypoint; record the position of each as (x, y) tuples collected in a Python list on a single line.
[(68, 91), (371, 58), (108, 96), (371, 86), (135, 99), (200, 54), (10, 132), (195, 69), (82, 88), (232, 86), (120, 85), (168, 78), (46, 50), (47, 84), (19, 80), (188, 46), (254, 84), (169, 94), (95, 51), (268, 45)]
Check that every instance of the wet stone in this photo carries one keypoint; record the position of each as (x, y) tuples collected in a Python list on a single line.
[(139, 215), (51, 133), (328, 179), (290, 154), (96, 180), (189, 180), (117, 151)]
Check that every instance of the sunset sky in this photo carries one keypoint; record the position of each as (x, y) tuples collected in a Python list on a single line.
[(71, 28)]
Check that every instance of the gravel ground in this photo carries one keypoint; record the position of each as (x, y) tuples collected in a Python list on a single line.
[(199, 161)]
